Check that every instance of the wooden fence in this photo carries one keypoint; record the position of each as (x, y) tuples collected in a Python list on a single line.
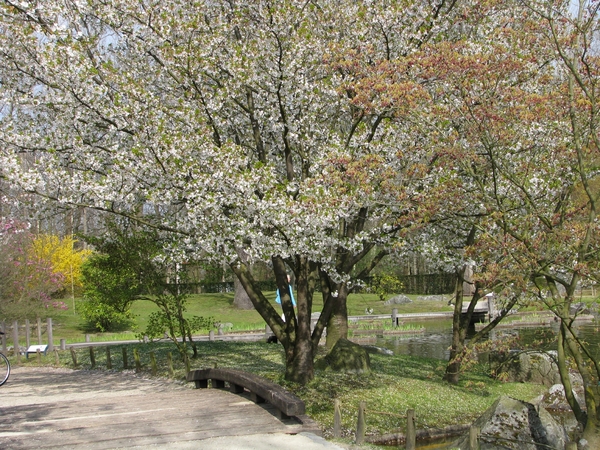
[(41, 329), (410, 436)]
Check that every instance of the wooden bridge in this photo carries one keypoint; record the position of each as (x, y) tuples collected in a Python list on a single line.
[(484, 310), (93, 410)]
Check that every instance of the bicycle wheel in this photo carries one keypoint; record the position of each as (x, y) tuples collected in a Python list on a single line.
[(4, 369)]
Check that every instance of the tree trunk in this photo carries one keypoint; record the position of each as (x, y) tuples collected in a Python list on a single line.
[(241, 299), (591, 433), (299, 364), (294, 334), (337, 326), (453, 368), (460, 327), (563, 371), (591, 420)]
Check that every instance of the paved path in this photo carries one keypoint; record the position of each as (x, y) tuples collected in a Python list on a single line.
[(93, 410)]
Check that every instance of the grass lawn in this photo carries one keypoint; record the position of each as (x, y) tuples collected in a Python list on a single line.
[(70, 326)]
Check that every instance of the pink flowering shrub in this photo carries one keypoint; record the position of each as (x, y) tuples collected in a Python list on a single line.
[(27, 283)]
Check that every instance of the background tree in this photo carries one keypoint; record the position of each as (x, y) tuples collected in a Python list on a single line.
[(28, 281), (131, 263), (385, 284), (547, 216), (111, 285), (64, 256)]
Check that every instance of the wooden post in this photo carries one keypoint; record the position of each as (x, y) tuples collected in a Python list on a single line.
[(63, 344), (170, 363), (39, 356), (337, 418), (211, 335), (93, 357), (361, 424), (4, 349), (108, 361), (15, 336), (411, 433), (56, 358), (74, 356), (124, 357), (395, 317), (27, 333), (39, 330), (473, 438), (138, 363), (153, 363), (50, 336), (87, 338)]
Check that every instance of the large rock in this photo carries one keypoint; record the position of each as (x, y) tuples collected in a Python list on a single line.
[(530, 367), (514, 424), (555, 400), (398, 300), (346, 356)]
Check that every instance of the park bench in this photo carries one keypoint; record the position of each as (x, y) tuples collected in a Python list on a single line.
[(261, 390)]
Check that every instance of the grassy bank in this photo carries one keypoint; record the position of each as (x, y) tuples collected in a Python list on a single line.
[(397, 383)]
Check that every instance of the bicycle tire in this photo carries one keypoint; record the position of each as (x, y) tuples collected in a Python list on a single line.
[(4, 369)]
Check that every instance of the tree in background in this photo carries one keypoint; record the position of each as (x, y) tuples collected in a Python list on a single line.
[(130, 263), (28, 281), (171, 320), (110, 285), (385, 284), (64, 256)]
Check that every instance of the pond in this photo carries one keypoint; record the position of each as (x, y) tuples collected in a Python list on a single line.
[(436, 340)]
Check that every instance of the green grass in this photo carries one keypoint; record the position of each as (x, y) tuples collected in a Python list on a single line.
[(397, 383), (70, 326)]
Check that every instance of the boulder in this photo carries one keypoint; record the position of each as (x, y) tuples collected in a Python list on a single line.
[(531, 367), (515, 424), (555, 399), (398, 300), (346, 356)]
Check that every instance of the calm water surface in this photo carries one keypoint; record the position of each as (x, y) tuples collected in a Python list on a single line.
[(437, 338)]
